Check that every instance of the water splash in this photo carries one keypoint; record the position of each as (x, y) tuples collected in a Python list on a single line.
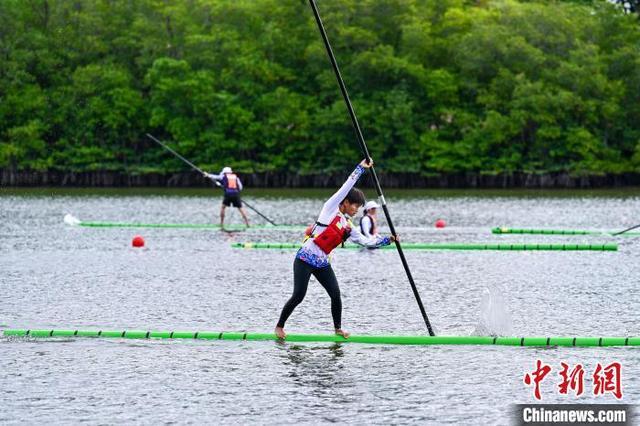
[(69, 219), (495, 318)]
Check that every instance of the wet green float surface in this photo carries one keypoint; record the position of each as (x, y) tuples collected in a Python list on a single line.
[(317, 338)]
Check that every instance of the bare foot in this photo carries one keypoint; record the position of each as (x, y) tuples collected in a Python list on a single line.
[(280, 334), (341, 332)]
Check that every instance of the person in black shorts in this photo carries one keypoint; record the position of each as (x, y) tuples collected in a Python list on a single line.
[(232, 200), (232, 186)]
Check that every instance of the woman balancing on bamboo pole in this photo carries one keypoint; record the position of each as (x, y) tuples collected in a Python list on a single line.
[(332, 228)]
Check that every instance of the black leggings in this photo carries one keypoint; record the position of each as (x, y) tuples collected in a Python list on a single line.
[(301, 274)]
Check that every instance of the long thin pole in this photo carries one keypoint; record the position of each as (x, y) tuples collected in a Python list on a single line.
[(626, 230), (363, 147), (165, 146), (260, 214)]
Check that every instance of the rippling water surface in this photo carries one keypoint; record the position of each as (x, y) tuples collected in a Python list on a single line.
[(53, 275)]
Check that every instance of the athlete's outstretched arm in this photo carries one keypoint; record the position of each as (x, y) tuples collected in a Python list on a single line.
[(331, 205), (372, 241), (214, 176)]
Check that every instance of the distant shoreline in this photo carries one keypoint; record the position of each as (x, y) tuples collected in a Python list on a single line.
[(110, 179)]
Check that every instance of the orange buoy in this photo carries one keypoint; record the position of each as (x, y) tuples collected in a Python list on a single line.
[(137, 241), (440, 223)]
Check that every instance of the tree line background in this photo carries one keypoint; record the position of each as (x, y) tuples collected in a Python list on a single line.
[(441, 87)]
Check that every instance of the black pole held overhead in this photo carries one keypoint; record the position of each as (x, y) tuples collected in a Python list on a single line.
[(193, 166), (365, 151)]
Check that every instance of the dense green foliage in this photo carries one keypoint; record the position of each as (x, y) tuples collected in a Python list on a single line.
[(440, 86)]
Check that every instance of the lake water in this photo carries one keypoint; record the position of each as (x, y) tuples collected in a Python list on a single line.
[(53, 275)]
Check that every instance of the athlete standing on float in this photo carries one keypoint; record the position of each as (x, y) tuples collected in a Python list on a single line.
[(232, 186), (332, 229), (369, 221)]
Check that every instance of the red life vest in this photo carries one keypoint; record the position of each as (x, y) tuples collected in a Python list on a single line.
[(334, 235)]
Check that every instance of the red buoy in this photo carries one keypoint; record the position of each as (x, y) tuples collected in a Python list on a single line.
[(440, 223), (137, 241)]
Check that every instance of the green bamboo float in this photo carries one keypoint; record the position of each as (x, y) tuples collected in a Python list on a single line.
[(504, 230), (384, 340), (73, 221), (156, 225), (188, 226), (451, 246)]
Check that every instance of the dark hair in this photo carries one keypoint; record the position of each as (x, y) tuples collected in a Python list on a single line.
[(355, 196)]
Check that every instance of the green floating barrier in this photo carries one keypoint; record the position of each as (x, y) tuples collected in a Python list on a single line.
[(449, 246), (384, 340), (505, 230), (188, 226)]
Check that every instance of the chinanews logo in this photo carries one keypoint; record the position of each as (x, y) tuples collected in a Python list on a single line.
[(573, 414), (605, 380)]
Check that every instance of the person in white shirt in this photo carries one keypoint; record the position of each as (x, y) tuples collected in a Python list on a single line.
[(330, 230), (232, 186), (369, 221)]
